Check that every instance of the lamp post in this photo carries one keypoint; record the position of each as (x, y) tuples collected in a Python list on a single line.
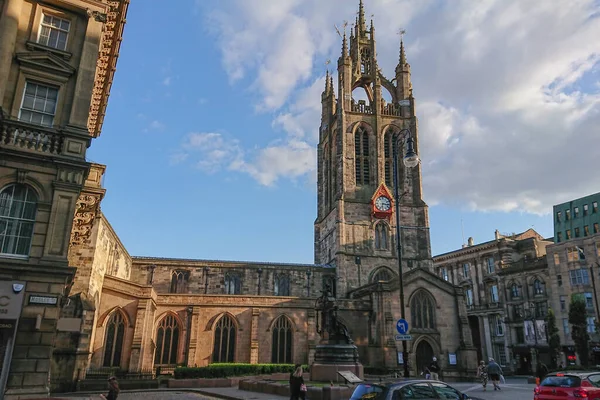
[(411, 159)]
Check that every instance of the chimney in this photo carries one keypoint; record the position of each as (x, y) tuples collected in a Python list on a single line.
[(470, 241), (497, 234)]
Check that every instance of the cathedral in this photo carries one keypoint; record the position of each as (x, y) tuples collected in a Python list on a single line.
[(144, 313)]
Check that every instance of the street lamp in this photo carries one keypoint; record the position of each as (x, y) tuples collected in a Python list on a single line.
[(411, 159)]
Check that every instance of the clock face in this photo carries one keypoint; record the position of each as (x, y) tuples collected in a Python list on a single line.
[(383, 203)]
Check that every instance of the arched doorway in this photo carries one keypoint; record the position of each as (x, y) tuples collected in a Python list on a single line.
[(424, 355)]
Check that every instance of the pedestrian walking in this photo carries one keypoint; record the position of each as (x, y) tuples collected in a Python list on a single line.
[(494, 372), (113, 389), (482, 374), (435, 369), (297, 386)]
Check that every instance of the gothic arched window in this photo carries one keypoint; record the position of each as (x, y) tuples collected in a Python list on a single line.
[(361, 156), (233, 284), (113, 340), (514, 291), (18, 205), (224, 346), (388, 151), (538, 287), (282, 341), (179, 280), (381, 236), (422, 310), (326, 174), (282, 285), (382, 275), (167, 341)]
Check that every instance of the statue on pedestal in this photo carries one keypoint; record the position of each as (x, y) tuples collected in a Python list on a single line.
[(328, 324)]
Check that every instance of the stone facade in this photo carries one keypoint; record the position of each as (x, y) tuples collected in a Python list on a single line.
[(574, 270), (56, 65), (264, 312), (506, 281)]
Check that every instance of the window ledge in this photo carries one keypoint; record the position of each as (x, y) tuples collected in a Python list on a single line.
[(14, 256), (36, 46)]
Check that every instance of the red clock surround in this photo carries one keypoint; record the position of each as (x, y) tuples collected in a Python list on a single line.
[(380, 209)]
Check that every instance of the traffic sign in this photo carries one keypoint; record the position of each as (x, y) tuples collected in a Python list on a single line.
[(402, 326), (403, 337)]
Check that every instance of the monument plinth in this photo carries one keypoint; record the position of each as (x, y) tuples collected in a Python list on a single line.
[(336, 351)]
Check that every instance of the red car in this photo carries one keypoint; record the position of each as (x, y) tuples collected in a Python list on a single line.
[(569, 385)]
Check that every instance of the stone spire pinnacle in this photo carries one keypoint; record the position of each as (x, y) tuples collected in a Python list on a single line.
[(344, 45), (327, 82), (361, 16), (402, 53)]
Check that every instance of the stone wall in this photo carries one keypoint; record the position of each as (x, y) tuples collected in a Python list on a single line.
[(253, 316), (205, 276)]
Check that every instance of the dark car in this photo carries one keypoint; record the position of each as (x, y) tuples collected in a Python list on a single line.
[(569, 385), (406, 390)]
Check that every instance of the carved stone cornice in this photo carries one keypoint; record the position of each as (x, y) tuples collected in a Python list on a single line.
[(86, 210), (112, 35)]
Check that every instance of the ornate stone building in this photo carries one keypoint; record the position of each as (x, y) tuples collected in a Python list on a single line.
[(145, 313), (574, 261), (506, 281), (57, 60)]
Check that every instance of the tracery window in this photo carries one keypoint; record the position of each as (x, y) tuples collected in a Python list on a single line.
[(389, 161), (422, 311), (233, 284), (282, 285), (167, 341), (179, 281), (282, 341), (382, 275), (381, 236), (113, 342), (18, 205), (225, 335), (361, 156)]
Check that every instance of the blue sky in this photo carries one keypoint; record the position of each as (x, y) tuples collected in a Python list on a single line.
[(210, 133)]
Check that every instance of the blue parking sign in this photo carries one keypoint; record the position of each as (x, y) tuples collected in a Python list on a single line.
[(402, 326)]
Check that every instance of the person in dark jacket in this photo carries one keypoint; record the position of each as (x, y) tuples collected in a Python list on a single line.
[(542, 370), (494, 373), (297, 386), (434, 369), (113, 389)]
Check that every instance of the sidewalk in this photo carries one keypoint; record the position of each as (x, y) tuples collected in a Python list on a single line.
[(230, 393)]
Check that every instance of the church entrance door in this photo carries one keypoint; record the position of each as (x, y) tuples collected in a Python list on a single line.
[(424, 356)]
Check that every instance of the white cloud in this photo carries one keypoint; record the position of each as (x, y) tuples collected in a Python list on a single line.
[(154, 125), (507, 91)]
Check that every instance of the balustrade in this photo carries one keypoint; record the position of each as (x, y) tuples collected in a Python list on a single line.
[(22, 136)]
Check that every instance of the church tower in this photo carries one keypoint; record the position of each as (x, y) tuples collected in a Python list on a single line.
[(355, 226)]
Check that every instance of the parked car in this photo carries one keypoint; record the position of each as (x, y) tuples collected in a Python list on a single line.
[(569, 385), (406, 390)]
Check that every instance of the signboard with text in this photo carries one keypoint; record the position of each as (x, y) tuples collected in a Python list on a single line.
[(11, 299)]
